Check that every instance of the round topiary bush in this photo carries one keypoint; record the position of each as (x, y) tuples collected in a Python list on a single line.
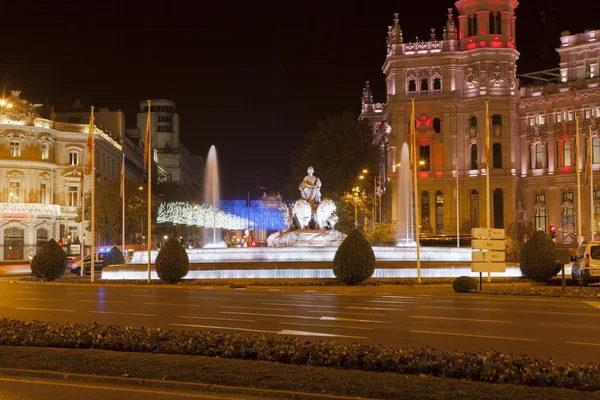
[(354, 261), (172, 262), (464, 284), (537, 258), (50, 262), (114, 256)]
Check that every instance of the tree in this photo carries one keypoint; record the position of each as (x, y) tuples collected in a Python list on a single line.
[(50, 261), (346, 211), (354, 260), (338, 149), (172, 262), (517, 234), (537, 258)]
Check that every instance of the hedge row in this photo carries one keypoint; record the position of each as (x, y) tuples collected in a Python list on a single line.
[(490, 366), (548, 291)]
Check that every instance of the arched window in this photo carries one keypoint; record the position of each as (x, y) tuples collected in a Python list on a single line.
[(497, 119), (473, 122), (412, 86), (424, 158), (497, 156), (437, 125), (474, 161), (425, 210), (498, 209), (437, 84), (424, 85), (439, 212)]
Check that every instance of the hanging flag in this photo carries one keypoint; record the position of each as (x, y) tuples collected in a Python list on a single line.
[(147, 144), (588, 164), (123, 176), (90, 144), (412, 144), (577, 161), (487, 135)]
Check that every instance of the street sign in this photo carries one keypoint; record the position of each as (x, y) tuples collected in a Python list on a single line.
[(488, 256), (482, 244), (488, 267), (485, 233)]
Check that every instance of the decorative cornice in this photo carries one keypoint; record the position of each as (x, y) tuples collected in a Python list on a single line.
[(52, 210), (551, 99)]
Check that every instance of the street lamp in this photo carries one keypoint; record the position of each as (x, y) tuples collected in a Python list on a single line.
[(362, 177), (355, 191)]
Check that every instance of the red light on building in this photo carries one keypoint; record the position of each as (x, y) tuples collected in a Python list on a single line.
[(471, 46), (496, 45)]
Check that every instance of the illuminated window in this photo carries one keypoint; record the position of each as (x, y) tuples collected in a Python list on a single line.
[(15, 149), (439, 212), (43, 193), (541, 219), (45, 151), (539, 160), (595, 150), (73, 196), (14, 192), (73, 158), (558, 118), (567, 153)]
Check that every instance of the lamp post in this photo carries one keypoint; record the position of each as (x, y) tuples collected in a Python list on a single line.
[(355, 191), (365, 172)]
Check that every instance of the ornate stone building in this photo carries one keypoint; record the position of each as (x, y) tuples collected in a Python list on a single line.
[(532, 127), (41, 163)]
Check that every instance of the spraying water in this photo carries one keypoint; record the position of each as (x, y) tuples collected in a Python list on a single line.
[(405, 219), (212, 194)]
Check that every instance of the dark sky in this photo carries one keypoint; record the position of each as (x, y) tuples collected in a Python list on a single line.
[(250, 77)]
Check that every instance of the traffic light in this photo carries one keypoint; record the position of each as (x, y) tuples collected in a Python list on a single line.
[(552, 232)]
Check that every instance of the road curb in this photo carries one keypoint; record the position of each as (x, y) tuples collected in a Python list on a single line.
[(164, 384)]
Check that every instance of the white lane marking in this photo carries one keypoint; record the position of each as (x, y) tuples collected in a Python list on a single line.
[(30, 299), (593, 303), (208, 298), (25, 292), (584, 344), (215, 318), (303, 333), (268, 315), (391, 302), (569, 326), (515, 311), (460, 319), (240, 289), (207, 288), (374, 308), (273, 290), (101, 301), (42, 309), (346, 312), (224, 327), (296, 305), (310, 291), (256, 308), (173, 304), (123, 313), (408, 297), (353, 320), (143, 295), (364, 328), (475, 336)]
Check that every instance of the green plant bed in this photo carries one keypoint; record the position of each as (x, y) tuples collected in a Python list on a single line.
[(548, 291), (489, 366)]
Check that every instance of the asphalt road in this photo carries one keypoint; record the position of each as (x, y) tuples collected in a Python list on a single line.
[(28, 388), (567, 330)]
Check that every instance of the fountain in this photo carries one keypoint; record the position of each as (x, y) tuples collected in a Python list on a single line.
[(212, 237), (405, 218)]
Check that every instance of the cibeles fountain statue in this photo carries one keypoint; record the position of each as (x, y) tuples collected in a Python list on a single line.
[(309, 221)]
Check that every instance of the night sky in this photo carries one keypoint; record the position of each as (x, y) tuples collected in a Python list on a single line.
[(250, 78)]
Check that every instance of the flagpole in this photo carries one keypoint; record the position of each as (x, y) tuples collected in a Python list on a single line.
[(415, 185), (578, 161), (487, 171), (457, 206), (123, 198), (82, 235), (591, 161), (149, 155), (92, 217)]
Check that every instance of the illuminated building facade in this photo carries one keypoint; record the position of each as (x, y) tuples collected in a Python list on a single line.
[(41, 164), (532, 127)]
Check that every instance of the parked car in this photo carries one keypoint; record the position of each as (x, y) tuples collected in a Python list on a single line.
[(586, 263), (72, 262), (87, 265)]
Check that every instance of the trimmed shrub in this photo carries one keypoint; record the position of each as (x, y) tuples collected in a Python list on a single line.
[(464, 284), (114, 256), (50, 262), (537, 258), (354, 260), (172, 262)]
